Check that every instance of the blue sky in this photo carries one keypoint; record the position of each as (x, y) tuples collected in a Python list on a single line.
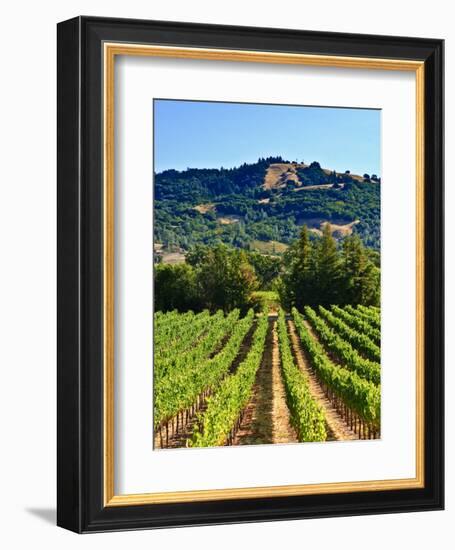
[(210, 135)]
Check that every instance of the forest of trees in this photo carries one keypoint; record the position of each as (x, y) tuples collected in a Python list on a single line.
[(316, 271), (320, 273), (212, 278), (238, 193)]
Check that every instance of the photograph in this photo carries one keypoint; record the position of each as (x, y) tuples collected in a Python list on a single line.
[(267, 274)]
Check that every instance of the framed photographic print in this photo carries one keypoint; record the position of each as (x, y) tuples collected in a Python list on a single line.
[(250, 274)]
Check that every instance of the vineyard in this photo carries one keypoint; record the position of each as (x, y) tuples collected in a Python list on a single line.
[(270, 377)]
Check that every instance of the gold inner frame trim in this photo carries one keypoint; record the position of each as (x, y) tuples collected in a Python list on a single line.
[(111, 50)]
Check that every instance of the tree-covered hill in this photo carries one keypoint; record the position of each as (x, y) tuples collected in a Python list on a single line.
[(232, 206)]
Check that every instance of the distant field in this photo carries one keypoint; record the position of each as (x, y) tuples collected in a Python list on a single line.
[(279, 174), (268, 247), (323, 186), (227, 220), (338, 230), (268, 299), (204, 208), (173, 258)]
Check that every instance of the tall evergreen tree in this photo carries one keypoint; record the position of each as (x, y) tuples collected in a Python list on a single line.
[(361, 277), (354, 261), (304, 270), (328, 269), (320, 273)]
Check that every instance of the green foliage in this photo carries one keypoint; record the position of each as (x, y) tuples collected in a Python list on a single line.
[(307, 416), (361, 275), (175, 332), (357, 322), (313, 175), (362, 343), (175, 287), (343, 350), (178, 384), (371, 314), (267, 268), (265, 300), (194, 348), (215, 278), (199, 184), (226, 279), (226, 404), (317, 272), (328, 268), (358, 394), (236, 192)]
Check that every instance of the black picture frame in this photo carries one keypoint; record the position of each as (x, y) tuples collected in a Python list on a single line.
[(80, 474)]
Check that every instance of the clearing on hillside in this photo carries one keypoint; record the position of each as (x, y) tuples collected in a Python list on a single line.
[(268, 247), (279, 174), (204, 208), (337, 230)]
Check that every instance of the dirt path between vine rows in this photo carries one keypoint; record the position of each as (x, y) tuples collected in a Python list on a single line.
[(266, 418), (338, 430)]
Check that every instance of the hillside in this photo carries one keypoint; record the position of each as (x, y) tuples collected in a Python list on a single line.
[(267, 201), (281, 174)]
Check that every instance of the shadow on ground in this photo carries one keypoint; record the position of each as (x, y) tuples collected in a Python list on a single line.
[(49, 515)]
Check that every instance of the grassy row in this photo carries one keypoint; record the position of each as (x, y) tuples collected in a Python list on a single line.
[(231, 397), (307, 416), (185, 336), (358, 323), (166, 325), (165, 364), (359, 341), (370, 314), (190, 378), (358, 394), (343, 350)]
